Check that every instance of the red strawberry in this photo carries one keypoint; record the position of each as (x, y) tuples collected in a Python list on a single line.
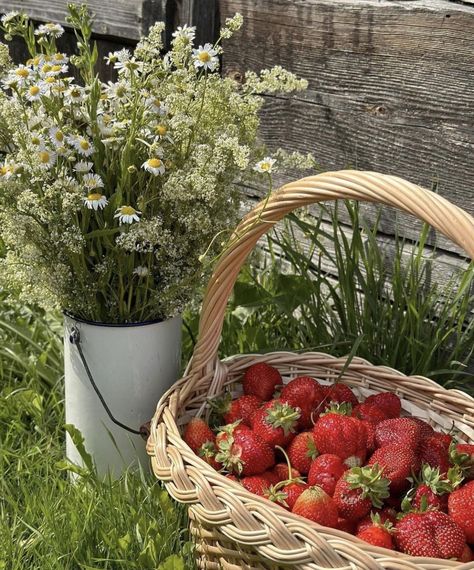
[(346, 525), (398, 462), (378, 533), (275, 422), (317, 506), (287, 495), (256, 484), (232, 477), (400, 431), (433, 452), (271, 477), (462, 454), (385, 515), (430, 534), (240, 409), (325, 471), (388, 402), (227, 431), (343, 436), (282, 474), (197, 433), (358, 490), (302, 451), (434, 487), (460, 509), (260, 380), (339, 393), (467, 555), (370, 430), (426, 429), (306, 394), (369, 412), (245, 453), (444, 438), (208, 452)]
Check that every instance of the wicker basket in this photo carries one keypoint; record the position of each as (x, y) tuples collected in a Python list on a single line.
[(231, 527)]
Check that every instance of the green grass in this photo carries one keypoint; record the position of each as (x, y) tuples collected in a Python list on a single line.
[(47, 522)]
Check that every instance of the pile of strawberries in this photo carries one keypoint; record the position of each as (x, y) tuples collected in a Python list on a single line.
[(359, 467)]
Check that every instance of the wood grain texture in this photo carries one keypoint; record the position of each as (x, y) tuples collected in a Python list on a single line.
[(391, 87)]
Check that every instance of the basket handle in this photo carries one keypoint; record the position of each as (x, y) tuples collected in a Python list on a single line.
[(449, 219)]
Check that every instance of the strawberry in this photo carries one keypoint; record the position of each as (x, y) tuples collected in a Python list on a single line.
[(245, 453), (378, 533), (282, 474), (343, 436), (233, 410), (325, 471), (227, 431), (346, 525), (430, 534), (306, 394), (369, 413), (340, 394), (370, 430), (256, 484), (317, 506), (232, 477), (358, 490), (462, 454), (275, 422), (400, 431), (433, 488), (398, 462), (388, 402), (208, 452), (197, 433), (467, 555), (460, 509), (287, 495), (260, 380), (433, 452), (444, 438), (426, 429), (271, 477), (302, 451), (386, 515)]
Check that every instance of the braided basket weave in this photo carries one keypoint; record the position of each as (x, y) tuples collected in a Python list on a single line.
[(231, 527)]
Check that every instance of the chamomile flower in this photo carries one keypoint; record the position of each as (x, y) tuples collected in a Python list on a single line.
[(59, 59), (128, 65), (186, 32), (82, 145), (157, 105), (6, 171), (161, 132), (9, 16), (54, 70), (46, 158), (22, 74), (92, 181), (74, 93), (10, 82), (105, 124), (37, 140), (154, 165), (50, 29), (111, 57), (118, 90), (95, 201), (48, 84), (265, 165), (33, 93), (127, 215), (141, 271), (83, 167), (205, 57), (57, 137)]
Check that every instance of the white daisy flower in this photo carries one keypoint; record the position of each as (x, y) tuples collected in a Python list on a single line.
[(48, 84), (83, 167), (46, 158), (185, 31), (74, 93), (57, 136), (128, 65), (6, 171), (106, 125), (92, 181), (82, 145), (50, 29), (118, 90), (33, 93), (62, 150), (154, 165), (22, 74), (95, 201), (141, 271), (127, 215), (157, 106), (111, 57), (9, 16), (37, 140), (265, 165), (10, 82), (161, 132), (205, 57), (122, 55), (59, 59)]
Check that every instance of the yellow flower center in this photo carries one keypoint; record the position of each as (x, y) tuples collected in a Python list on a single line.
[(58, 57), (154, 162), (75, 93), (127, 210), (121, 91), (157, 102), (46, 68), (50, 80), (36, 141), (265, 166), (204, 56), (4, 170), (34, 90), (84, 145), (161, 130), (44, 156), (94, 197), (91, 182), (56, 68), (58, 135), (22, 72), (50, 26), (36, 60)]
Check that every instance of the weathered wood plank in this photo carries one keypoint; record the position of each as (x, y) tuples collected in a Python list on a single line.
[(391, 86)]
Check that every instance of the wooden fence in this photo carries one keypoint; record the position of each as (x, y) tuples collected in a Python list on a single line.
[(391, 84)]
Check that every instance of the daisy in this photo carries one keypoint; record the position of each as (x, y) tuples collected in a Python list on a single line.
[(205, 57), (92, 181), (128, 65), (33, 93), (157, 105), (161, 132), (9, 16), (83, 167), (111, 58), (10, 82), (105, 124), (37, 140), (82, 145), (57, 136), (117, 90), (265, 165), (141, 271), (46, 158), (185, 31), (6, 171), (74, 93), (59, 59), (127, 215), (95, 201), (22, 74), (48, 84), (50, 29), (154, 165)]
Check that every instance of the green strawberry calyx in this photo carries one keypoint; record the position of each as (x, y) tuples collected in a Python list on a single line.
[(221, 405), (463, 460), (431, 477), (276, 495), (312, 451), (341, 408), (282, 415), (207, 449), (377, 521), (371, 482)]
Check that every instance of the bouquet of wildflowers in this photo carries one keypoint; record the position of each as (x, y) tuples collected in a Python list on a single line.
[(110, 193)]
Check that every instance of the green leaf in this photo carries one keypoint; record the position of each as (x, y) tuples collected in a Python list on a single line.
[(173, 562), (78, 440)]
